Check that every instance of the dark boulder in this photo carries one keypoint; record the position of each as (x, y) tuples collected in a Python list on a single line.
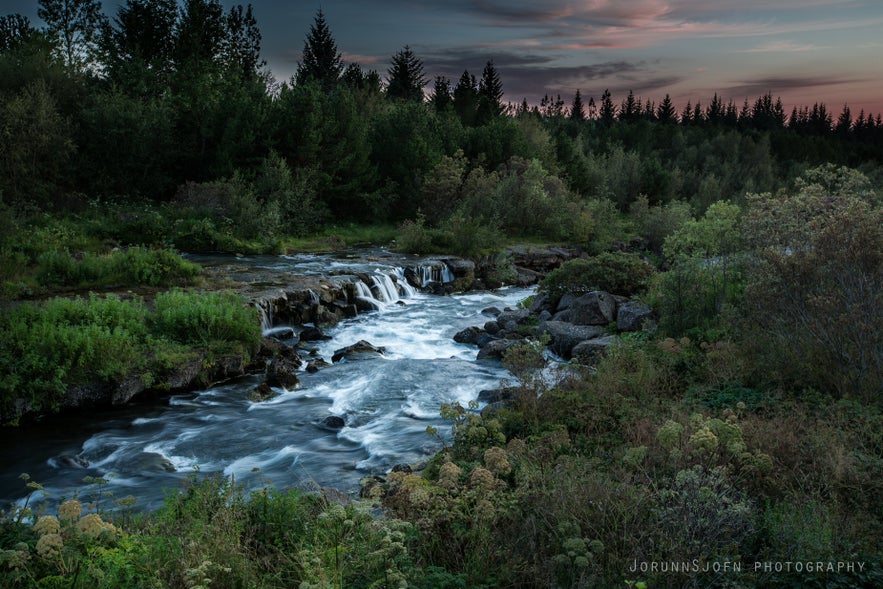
[(491, 311), (501, 395), (590, 351), (565, 336), (333, 422), (469, 335), (594, 308), (492, 327), (282, 372), (360, 347), (495, 349), (262, 392), (313, 334), (633, 316), (314, 365)]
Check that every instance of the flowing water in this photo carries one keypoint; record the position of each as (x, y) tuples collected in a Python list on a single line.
[(386, 401)]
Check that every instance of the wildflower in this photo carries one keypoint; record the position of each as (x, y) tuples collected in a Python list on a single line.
[(48, 524), (482, 479), (70, 510), (449, 475), (50, 545), (496, 462), (91, 524)]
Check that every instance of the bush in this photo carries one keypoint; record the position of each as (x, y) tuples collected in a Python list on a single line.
[(202, 318), (615, 272), (133, 266)]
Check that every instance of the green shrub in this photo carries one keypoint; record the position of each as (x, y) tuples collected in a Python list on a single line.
[(133, 266), (615, 272), (204, 317)]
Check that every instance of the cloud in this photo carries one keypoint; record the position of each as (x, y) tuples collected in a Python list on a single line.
[(781, 47), (776, 85)]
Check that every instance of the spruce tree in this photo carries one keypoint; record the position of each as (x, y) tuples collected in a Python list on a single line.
[(406, 79), (441, 97), (608, 110), (321, 61), (242, 47), (665, 113), (577, 110), (466, 98), (138, 47), (490, 90)]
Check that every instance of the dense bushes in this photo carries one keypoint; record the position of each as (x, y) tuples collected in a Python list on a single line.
[(46, 348), (615, 272)]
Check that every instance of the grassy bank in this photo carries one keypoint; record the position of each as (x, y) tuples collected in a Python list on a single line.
[(50, 346)]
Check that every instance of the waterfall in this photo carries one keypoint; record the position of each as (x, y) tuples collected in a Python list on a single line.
[(402, 282), (435, 273), (265, 309), (363, 293), (386, 288), (314, 298)]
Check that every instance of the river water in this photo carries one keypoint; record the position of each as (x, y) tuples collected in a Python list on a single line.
[(387, 402)]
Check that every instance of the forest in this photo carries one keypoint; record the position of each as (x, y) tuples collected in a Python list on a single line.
[(746, 427)]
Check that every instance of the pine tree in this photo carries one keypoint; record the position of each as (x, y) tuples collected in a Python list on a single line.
[(490, 91), (321, 61), (202, 30), (406, 78), (577, 110), (665, 113), (844, 122), (74, 26), (466, 98), (630, 109), (608, 110), (441, 97)]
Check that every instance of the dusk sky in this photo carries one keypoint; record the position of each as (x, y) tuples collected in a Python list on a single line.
[(805, 51)]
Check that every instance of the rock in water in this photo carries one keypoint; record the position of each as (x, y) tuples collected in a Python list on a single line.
[(360, 347)]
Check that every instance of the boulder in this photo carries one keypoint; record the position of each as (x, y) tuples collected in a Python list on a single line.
[(565, 301), (71, 461), (282, 372), (495, 349), (469, 335), (360, 347), (541, 302), (565, 336), (500, 395), (333, 422), (313, 334), (526, 276), (262, 392), (633, 316), (518, 316), (590, 351), (491, 312), (313, 366), (492, 327), (594, 308)]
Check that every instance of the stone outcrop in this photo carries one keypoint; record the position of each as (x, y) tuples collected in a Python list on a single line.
[(360, 347)]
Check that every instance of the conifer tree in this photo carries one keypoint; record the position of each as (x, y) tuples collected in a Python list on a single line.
[(406, 78), (321, 61), (844, 122), (665, 112), (490, 90), (577, 110), (441, 97), (608, 110), (466, 98)]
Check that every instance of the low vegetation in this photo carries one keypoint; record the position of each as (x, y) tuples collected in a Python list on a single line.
[(66, 341)]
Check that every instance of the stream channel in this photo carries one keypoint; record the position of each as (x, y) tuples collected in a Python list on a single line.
[(145, 449)]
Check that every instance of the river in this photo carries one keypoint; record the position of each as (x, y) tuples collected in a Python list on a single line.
[(145, 449)]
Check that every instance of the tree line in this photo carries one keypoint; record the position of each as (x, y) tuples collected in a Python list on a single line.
[(174, 103)]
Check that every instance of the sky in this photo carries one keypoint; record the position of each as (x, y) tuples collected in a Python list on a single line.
[(804, 51)]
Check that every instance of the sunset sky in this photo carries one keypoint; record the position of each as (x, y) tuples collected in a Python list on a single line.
[(805, 51)]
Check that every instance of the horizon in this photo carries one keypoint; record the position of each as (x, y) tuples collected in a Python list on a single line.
[(802, 51)]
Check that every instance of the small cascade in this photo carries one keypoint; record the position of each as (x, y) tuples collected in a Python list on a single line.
[(402, 282), (386, 288), (441, 274), (314, 297), (265, 309), (363, 293)]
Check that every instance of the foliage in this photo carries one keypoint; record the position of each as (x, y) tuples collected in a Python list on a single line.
[(48, 348), (619, 273), (813, 303)]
